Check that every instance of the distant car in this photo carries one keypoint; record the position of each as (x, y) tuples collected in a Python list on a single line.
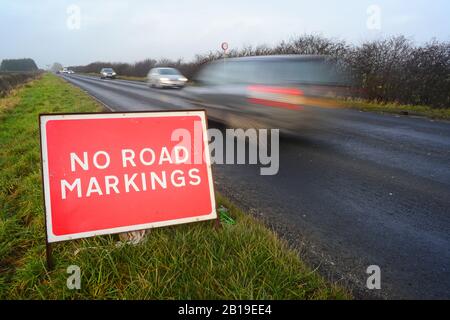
[(279, 91), (166, 78), (107, 73), (66, 70)]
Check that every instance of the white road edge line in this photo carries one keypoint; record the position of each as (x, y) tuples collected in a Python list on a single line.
[(99, 101)]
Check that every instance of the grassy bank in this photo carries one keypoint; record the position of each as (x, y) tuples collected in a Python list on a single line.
[(142, 79), (242, 260), (395, 108)]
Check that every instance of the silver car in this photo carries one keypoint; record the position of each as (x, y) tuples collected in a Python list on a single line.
[(166, 78), (107, 73)]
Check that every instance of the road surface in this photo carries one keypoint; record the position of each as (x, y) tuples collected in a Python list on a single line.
[(354, 189)]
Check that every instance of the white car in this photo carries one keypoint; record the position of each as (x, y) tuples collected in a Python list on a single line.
[(65, 70), (166, 78)]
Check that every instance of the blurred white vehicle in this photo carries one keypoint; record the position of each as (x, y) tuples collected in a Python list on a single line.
[(66, 70), (166, 78)]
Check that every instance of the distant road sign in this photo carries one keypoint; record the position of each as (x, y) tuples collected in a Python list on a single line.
[(224, 46), (118, 172)]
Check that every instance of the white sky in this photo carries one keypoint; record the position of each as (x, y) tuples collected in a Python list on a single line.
[(128, 31)]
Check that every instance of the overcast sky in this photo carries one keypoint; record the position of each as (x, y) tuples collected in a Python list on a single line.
[(79, 32)]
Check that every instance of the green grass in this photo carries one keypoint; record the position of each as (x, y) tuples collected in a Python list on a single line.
[(142, 79), (395, 108), (193, 261)]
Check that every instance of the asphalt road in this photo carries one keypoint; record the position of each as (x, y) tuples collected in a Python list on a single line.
[(354, 189)]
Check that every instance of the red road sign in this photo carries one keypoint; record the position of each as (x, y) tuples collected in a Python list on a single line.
[(224, 46), (118, 172)]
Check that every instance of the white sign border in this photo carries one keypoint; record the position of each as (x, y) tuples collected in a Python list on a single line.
[(44, 118)]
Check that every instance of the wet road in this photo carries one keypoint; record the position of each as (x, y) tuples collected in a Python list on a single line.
[(354, 189)]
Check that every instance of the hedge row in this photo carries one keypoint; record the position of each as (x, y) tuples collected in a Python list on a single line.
[(9, 80), (389, 70)]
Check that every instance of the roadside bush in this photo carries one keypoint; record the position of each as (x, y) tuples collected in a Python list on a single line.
[(395, 70), (10, 80), (18, 65)]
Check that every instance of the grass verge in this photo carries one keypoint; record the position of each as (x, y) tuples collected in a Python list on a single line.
[(142, 79), (194, 261), (132, 78), (395, 108)]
